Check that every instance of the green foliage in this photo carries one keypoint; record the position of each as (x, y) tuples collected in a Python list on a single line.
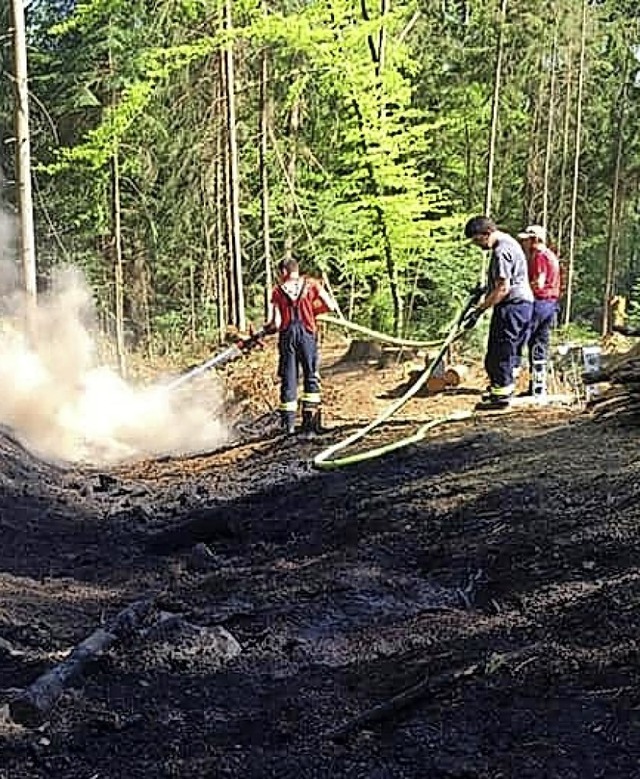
[(387, 162)]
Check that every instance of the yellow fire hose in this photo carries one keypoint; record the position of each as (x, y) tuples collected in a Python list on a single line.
[(375, 335), (326, 460)]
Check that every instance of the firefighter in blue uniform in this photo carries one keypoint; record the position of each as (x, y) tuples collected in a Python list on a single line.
[(296, 302), (510, 297)]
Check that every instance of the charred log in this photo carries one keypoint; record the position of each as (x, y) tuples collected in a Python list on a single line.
[(35, 703)]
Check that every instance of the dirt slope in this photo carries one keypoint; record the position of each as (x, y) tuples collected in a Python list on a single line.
[(499, 559)]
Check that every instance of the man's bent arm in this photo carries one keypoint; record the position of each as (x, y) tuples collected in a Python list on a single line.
[(496, 295)]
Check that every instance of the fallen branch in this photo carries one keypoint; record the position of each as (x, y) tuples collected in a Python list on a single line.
[(430, 685), (400, 701), (32, 705)]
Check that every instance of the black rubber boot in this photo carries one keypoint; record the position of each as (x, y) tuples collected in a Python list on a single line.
[(311, 423), (288, 422), (494, 403), (307, 423)]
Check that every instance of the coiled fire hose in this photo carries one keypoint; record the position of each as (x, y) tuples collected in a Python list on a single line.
[(326, 459)]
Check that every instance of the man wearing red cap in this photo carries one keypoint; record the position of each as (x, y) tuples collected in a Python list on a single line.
[(544, 277)]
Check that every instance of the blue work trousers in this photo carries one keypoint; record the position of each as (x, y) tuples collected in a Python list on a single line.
[(508, 333), (298, 349), (542, 322)]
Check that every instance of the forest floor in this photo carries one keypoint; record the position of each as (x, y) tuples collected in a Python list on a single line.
[(496, 565)]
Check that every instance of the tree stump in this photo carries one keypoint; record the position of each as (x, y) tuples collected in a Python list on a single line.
[(363, 351)]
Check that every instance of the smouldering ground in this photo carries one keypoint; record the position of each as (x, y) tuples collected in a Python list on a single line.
[(499, 558)]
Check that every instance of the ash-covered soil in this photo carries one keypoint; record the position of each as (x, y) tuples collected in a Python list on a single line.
[(494, 569)]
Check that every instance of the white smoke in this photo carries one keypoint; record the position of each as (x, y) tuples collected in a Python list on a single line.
[(63, 404)]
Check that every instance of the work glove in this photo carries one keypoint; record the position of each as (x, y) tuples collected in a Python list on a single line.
[(471, 318), (255, 339), (479, 291), (269, 329)]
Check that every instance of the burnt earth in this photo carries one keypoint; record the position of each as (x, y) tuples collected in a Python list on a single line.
[(499, 558)]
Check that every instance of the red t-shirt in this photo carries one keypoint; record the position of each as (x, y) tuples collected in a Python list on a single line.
[(545, 261), (308, 303)]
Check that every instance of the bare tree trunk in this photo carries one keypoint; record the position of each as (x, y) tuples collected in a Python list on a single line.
[(382, 39), (565, 151), (619, 118), (550, 125), (27, 245), (290, 205), (118, 262), (220, 243), (230, 271), (576, 168), (377, 52), (352, 296), (234, 178), (208, 283), (495, 108), (138, 294), (530, 207), (264, 179), (192, 302), (219, 206), (229, 265), (116, 227), (470, 177)]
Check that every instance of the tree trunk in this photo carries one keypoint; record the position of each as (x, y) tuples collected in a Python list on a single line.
[(565, 152), (532, 189), (495, 108), (264, 179), (290, 205), (193, 323), (220, 226), (138, 299), (619, 115), (377, 51), (382, 39), (550, 125), (118, 262), (234, 179), (27, 246), (208, 291), (576, 168), (470, 172), (116, 233)]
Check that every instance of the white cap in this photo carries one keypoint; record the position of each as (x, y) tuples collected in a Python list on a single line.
[(534, 231)]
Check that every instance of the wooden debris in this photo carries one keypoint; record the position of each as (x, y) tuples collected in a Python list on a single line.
[(455, 375), (508, 662), (393, 706), (436, 384), (32, 705), (620, 397)]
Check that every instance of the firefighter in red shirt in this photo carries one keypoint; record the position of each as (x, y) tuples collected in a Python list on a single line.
[(544, 277), (296, 301)]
